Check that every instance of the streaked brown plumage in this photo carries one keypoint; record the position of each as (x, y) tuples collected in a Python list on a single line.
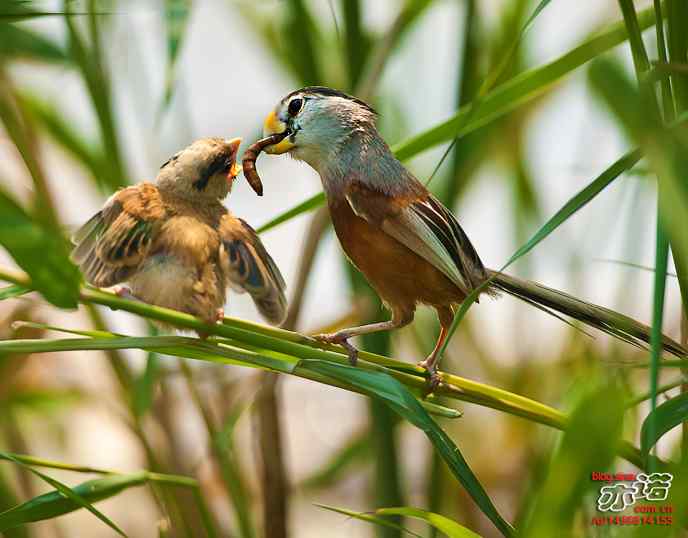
[(176, 245)]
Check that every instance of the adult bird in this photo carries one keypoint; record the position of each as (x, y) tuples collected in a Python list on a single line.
[(406, 243), (176, 245)]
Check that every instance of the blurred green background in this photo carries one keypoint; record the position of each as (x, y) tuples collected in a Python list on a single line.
[(95, 95)]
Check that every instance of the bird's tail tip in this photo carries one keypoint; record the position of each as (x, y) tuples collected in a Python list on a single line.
[(550, 300)]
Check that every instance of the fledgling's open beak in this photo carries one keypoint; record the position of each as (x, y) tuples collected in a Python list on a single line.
[(273, 125), (234, 170)]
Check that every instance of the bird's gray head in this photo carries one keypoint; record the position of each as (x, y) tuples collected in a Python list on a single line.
[(319, 121), (205, 169)]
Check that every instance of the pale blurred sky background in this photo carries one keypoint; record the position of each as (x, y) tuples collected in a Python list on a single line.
[(227, 84)]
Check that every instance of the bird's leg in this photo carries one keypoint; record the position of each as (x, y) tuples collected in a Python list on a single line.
[(342, 337), (431, 361), (219, 315)]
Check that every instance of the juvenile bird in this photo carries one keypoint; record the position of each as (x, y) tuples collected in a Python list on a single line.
[(176, 245), (406, 243)]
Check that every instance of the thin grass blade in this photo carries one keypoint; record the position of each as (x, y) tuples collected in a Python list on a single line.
[(443, 524), (503, 99), (176, 21), (66, 499), (9, 292), (20, 43), (590, 443), (40, 252), (519, 90), (661, 420), (394, 394), (305, 206), (368, 518)]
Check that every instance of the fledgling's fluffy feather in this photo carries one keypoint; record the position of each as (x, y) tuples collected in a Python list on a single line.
[(176, 245)]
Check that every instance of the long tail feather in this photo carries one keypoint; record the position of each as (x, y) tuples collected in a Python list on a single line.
[(613, 323)]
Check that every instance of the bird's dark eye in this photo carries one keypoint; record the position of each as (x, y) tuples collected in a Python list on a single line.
[(295, 106)]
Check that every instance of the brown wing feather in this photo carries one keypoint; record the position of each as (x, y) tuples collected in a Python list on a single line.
[(112, 244), (424, 225), (252, 269)]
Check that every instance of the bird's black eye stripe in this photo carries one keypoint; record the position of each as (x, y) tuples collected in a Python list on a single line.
[(219, 164), (295, 106)]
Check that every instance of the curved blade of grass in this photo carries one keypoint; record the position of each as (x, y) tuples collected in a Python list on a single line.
[(491, 79), (33, 461), (17, 42), (91, 64), (64, 133), (302, 35), (661, 262), (399, 399), (501, 68), (519, 90), (9, 292), (677, 15), (356, 40), (176, 20), (503, 99), (646, 396), (40, 462), (577, 202), (589, 443), (443, 524), (368, 518), (41, 506), (635, 39), (665, 149), (8, 499), (43, 401), (386, 44), (144, 385), (18, 10), (305, 206), (40, 252), (636, 266), (666, 416), (232, 471), (20, 132), (66, 499), (222, 446), (638, 112)]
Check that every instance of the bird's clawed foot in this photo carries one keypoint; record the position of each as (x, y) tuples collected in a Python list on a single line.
[(434, 379), (342, 340), (124, 292), (216, 318)]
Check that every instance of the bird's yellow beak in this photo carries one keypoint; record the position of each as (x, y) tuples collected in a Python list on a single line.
[(234, 170), (273, 125)]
